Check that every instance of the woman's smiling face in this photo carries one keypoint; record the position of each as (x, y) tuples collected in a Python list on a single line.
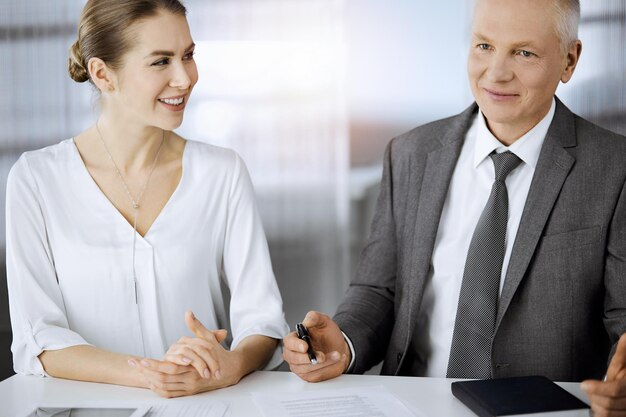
[(158, 73)]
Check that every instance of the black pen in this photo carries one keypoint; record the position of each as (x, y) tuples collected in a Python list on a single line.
[(303, 334)]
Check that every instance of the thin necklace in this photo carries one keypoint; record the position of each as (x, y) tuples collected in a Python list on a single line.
[(134, 203)]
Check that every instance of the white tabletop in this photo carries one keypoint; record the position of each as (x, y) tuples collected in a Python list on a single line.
[(19, 394)]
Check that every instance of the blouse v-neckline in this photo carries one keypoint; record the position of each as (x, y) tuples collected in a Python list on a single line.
[(105, 200)]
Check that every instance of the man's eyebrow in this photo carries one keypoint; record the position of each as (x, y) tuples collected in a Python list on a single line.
[(480, 37), (168, 53), (523, 44)]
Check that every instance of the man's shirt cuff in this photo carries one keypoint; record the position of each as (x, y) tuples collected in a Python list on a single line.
[(352, 355)]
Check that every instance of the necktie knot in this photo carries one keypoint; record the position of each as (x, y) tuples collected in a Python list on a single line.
[(504, 163)]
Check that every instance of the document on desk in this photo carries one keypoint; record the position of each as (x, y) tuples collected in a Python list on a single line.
[(352, 402), (213, 409)]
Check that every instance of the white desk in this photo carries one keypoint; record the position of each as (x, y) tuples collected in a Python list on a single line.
[(424, 396)]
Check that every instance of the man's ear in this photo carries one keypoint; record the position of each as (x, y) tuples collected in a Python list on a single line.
[(571, 60), (101, 75)]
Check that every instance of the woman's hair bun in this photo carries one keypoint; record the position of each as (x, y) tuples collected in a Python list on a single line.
[(76, 65)]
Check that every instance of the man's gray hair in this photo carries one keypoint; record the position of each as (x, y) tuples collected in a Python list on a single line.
[(567, 19)]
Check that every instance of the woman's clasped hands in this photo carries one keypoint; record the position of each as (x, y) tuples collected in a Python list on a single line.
[(191, 365)]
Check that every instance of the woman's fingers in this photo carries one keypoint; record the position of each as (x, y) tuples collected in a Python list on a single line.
[(165, 383), (159, 378), (169, 379), (220, 335), (167, 393), (176, 358), (186, 355), (197, 328), (202, 355), (163, 366), (201, 352), (208, 353)]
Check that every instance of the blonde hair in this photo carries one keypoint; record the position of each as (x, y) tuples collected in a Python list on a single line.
[(104, 31)]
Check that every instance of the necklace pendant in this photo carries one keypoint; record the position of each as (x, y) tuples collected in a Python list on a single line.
[(134, 204)]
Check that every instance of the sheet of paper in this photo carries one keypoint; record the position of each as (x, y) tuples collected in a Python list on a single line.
[(349, 402), (213, 409)]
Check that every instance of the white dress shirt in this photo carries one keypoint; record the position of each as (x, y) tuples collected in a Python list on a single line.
[(467, 196), (69, 259)]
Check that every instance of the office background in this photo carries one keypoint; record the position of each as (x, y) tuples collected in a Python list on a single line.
[(308, 92)]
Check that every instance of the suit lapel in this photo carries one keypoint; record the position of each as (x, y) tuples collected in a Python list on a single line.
[(553, 167), (440, 164)]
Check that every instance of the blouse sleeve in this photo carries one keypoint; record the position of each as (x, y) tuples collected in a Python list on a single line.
[(256, 305), (38, 318)]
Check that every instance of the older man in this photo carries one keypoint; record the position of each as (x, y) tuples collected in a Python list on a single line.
[(498, 247)]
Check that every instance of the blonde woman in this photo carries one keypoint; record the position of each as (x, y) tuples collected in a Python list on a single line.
[(115, 235)]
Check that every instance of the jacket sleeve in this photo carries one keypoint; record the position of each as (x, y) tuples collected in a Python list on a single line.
[(38, 317), (615, 274), (366, 314)]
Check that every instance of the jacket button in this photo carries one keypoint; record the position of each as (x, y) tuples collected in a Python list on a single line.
[(399, 357)]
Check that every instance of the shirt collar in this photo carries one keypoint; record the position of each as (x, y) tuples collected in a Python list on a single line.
[(527, 148)]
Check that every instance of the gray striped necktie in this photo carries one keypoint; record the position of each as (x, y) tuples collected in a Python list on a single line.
[(470, 356)]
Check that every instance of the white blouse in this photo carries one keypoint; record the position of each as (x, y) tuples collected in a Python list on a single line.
[(69, 259)]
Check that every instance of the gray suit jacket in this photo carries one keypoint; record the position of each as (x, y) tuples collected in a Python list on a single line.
[(563, 305)]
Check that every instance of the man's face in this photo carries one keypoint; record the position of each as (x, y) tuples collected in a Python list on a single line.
[(515, 64)]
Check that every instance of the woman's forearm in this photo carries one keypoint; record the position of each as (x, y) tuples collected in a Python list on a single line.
[(88, 363), (254, 352)]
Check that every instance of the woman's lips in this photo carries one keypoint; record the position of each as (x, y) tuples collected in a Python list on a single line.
[(174, 104)]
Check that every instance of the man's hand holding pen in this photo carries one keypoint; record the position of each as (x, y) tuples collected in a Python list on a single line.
[(325, 356)]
